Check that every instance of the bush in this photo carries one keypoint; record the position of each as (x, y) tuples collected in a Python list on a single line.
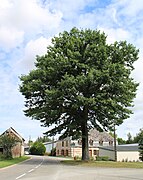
[(102, 158), (37, 148)]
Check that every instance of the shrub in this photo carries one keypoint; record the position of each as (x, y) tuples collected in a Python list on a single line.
[(141, 149), (102, 158), (37, 148)]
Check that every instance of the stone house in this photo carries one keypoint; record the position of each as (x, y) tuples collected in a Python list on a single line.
[(72, 148), (18, 149)]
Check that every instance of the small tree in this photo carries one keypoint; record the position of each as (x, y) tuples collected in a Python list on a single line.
[(121, 141), (141, 149), (138, 136), (38, 148), (130, 139), (43, 139), (8, 142)]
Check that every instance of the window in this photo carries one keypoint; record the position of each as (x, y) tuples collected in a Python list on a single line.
[(62, 143), (1, 150), (101, 143), (80, 142), (96, 152), (66, 143), (67, 153), (110, 143), (91, 142), (62, 152)]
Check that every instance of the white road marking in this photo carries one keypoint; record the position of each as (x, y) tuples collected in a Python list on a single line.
[(37, 166), (21, 176), (31, 170)]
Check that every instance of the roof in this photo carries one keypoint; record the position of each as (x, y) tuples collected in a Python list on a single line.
[(14, 132), (50, 142), (95, 135), (126, 147)]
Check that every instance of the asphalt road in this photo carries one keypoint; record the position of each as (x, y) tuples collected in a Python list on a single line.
[(49, 168)]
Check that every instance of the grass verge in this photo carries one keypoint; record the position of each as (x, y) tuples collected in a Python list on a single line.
[(109, 164), (5, 163)]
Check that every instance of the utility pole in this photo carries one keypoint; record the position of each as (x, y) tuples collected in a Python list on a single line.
[(115, 145), (53, 146)]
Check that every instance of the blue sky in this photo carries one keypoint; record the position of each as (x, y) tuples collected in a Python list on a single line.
[(26, 29)]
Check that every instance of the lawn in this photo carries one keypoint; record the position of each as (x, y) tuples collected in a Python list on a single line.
[(5, 163), (110, 164)]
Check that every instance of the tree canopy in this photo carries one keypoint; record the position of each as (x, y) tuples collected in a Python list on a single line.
[(141, 149), (37, 148), (43, 139), (138, 136), (80, 83)]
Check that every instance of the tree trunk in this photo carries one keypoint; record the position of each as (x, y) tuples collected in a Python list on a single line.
[(85, 151)]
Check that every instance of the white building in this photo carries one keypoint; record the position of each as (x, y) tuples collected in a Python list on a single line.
[(49, 146), (126, 152)]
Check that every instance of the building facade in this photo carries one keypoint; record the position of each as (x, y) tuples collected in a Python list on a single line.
[(126, 152), (18, 149), (73, 148)]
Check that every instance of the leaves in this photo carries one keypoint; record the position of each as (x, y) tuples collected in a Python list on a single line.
[(81, 71), (7, 142)]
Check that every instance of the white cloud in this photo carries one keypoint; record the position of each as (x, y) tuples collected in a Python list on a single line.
[(25, 30), (116, 34), (10, 38), (33, 48), (25, 17), (129, 8)]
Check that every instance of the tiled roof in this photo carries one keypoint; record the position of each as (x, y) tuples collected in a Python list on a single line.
[(13, 131), (99, 136)]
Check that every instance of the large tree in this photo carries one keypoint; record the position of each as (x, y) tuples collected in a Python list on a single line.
[(80, 83)]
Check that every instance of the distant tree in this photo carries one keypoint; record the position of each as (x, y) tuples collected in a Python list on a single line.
[(82, 82), (121, 141), (141, 149), (37, 148), (43, 139), (130, 139), (139, 136), (7, 142), (30, 143)]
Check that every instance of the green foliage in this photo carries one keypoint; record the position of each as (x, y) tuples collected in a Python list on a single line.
[(80, 83), (141, 149), (121, 141), (7, 142), (9, 162), (130, 139), (37, 148), (43, 139), (102, 158), (139, 136)]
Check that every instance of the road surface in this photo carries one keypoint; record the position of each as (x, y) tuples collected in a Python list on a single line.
[(50, 168)]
